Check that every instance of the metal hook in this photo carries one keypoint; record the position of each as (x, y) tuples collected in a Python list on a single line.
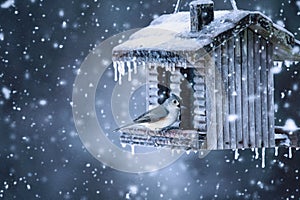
[(177, 6)]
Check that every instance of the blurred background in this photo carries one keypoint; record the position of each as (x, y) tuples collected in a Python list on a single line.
[(42, 45)]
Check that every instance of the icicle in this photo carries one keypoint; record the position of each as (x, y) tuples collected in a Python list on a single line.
[(236, 154), (201, 153), (121, 70), (288, 63), (120, 77), (172, 152), (256, 153), (188, 152), (263, 157), (132, 149), (166, 66), (128, 63), (290, 152), (173, 67), (115, 65), (277, 67), (134, 67), (169, 67), (155, 66), (184, 64), (276, 151), (123, 145), (144, 65)]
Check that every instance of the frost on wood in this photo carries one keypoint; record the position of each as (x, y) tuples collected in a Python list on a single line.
[(174, 138)]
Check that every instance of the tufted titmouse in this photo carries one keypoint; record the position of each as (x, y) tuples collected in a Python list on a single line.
[(160, 117)]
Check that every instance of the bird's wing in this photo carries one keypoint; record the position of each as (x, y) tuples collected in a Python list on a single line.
[(152, 115), (123, 127)]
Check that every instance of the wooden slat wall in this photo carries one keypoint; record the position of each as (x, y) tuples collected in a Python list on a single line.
[(243, 64)]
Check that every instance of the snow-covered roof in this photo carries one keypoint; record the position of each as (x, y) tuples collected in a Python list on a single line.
[(169, 35)]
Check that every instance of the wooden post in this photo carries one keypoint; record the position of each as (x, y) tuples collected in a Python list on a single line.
[(200, 114), (175, 80)]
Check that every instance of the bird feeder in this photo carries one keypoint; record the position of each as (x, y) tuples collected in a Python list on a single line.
[(220, 63)]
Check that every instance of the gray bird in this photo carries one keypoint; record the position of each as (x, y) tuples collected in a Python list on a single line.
[(160, 117)]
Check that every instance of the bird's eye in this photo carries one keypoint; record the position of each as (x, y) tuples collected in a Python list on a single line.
[(175, 102)]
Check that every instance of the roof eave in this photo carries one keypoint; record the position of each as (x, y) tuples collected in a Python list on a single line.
[(286, 47)]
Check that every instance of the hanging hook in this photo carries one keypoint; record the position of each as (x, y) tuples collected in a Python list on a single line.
[(177, 6), (233, 3)]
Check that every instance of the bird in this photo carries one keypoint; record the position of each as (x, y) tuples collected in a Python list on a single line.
[(159, 118)]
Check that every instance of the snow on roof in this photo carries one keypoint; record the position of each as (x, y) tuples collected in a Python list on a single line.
[(199, 2), (171, 33), (165, 32)]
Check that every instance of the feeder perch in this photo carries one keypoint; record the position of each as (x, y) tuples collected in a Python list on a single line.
[(220, 63)]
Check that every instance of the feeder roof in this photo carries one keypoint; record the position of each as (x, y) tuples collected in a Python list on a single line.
[(169, 35)]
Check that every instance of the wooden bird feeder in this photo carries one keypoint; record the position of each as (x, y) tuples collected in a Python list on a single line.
[(220, 63)]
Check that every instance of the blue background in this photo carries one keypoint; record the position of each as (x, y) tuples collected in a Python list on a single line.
[(41, 155)]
